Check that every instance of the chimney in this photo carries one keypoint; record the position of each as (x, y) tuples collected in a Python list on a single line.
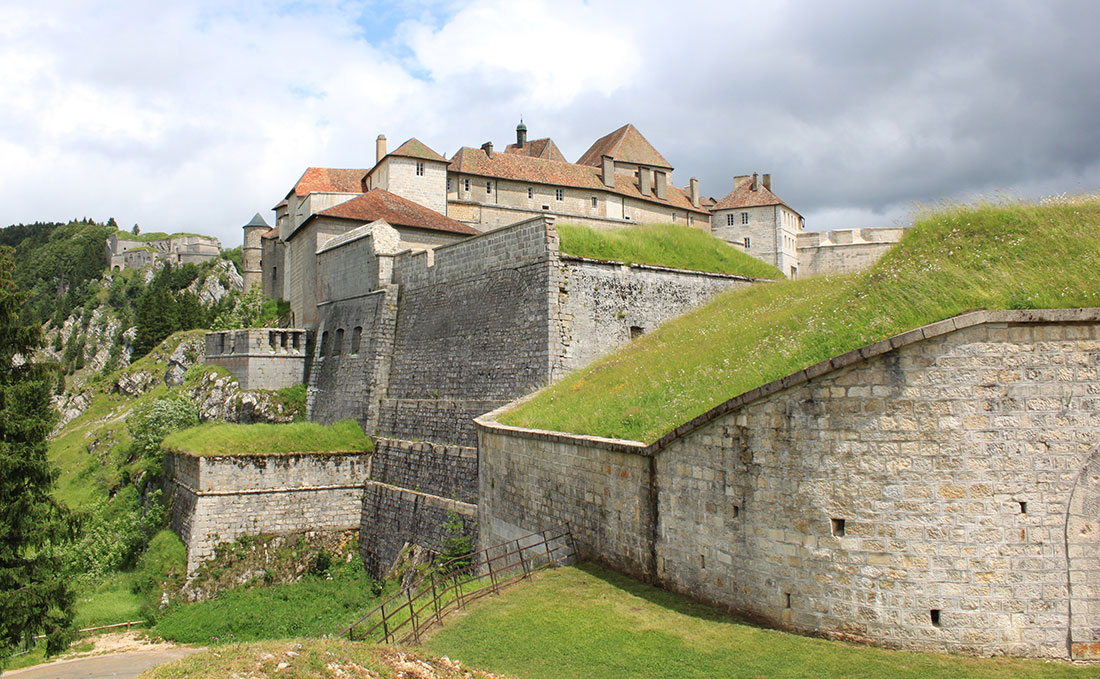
[(487, 147), (645, 178), (693, 189), (755, 182), (608, 171), (662, 184), (379, 149), (767, 182), (741, 180), (521, 134)]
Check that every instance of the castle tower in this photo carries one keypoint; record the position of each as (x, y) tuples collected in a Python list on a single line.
[(251, 252)]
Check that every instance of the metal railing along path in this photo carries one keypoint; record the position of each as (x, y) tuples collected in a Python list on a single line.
[(408, 614)]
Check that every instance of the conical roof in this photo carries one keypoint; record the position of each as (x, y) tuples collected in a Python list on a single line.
[(257, 220)]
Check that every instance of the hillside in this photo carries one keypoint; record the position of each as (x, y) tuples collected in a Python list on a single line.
[(670, 245), (1003, 256)]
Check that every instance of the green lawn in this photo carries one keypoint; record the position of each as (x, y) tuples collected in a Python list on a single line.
[(671, 245), (1004, 256), (260, 439), (589, 622)]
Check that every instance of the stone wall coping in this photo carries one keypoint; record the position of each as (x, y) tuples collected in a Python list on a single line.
[(464, 508), (327, 302), (664, 269), (424, 446), (290, 353), (937, 329), (267, 491), (266, 456)]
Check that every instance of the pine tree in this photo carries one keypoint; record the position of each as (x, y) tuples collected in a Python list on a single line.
[(34, 598)]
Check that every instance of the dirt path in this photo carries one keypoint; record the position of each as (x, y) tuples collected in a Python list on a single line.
[(125, 654), (126, 665)]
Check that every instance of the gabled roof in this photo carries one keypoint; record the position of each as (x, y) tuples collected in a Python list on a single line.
[(328, 180), (555, 173), (744, 196), (271, 233), (414, 148), (625, 145), (544, 148), (396, 211)]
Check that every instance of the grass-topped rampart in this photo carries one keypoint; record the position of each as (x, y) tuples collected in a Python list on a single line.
[(268, 439), (999, 256), (677, 247)]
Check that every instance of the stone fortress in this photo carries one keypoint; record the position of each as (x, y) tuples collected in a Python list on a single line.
[(936, 490), (176, 249)]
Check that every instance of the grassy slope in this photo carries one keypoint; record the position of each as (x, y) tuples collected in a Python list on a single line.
[(679, 247), (259, 439), (615, 627), (992, 256)]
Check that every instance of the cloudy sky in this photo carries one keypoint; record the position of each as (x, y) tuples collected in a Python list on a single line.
[(193, 115)]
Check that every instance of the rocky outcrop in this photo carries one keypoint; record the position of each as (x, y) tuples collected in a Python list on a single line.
[(217, 284), (219, 397)]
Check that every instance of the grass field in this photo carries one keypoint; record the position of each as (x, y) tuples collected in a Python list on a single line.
[(1006, 256), (592, 623), (678, 247), (314, 606), (254, 439)]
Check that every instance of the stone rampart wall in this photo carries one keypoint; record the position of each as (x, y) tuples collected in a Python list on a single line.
[(604, 305), (441, 470), (843, 251), (394, 518), (218, 499), (260, 358), (912, 494)]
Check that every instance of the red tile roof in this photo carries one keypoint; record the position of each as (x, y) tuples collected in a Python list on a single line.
[(396, 211), (744, 196), (328, 180), (626, 145), (414, 148), (544, 148), (556, 173), (271, 233)]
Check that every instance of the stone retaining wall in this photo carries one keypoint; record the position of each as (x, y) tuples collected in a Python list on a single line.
[(218, 499), (933, 491)]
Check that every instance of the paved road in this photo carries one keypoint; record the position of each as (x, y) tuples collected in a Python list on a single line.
[(117, 665)]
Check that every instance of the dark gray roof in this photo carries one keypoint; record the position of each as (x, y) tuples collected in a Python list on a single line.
[(258, 221)]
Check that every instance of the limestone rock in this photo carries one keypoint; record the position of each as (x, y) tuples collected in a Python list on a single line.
[(189, 352), (219, 283), (135, 383)]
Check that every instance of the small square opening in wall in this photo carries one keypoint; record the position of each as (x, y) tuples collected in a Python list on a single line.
[(934, 614), (636, 331), (838, 528), (735, 511), (1023, 508)]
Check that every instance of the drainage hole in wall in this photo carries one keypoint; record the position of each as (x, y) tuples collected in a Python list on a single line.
[(838, 528), (636, 331), (1023, 508), (935, 615)]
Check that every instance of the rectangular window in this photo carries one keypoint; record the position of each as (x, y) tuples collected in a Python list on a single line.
[(729, 219), (488, 187), (530, 192), (419, 169), (673, 216), (595, 201), (559, 194), (746, 242), (466, 184), (448, 185), (744, 217)]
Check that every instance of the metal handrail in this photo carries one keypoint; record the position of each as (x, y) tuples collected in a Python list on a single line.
[(447, 588)]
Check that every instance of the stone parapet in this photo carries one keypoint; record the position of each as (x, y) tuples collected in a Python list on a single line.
[(260, 358)]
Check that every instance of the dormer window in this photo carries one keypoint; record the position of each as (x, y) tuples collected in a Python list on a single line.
[(419, 168)]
